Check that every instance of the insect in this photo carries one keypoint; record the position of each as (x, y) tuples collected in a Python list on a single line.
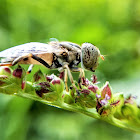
[(62, 55)]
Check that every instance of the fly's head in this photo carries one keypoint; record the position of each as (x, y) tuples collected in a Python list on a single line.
[(90, 55)]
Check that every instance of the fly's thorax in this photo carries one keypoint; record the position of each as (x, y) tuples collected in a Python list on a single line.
[(89, 56), (71, 55), (74, 59)]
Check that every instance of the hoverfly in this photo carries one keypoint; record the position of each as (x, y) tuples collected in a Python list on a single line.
[(62, 55)]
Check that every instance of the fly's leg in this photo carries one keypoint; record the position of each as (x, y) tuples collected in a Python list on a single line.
[(66, 79), (30, 68), (81, 75), (71, 78), (76, 69)]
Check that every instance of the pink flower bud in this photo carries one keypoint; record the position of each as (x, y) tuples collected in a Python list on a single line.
[(38, 76), (57, 81), (44, 88), (93, 88), (7, 69), (18, 72), (4, 70), (106, 90), (94, 79), (84, 81)]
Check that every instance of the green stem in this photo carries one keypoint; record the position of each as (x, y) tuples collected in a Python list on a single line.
[(89, 112)]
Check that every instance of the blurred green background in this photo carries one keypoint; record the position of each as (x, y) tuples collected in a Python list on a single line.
[(113, 26)]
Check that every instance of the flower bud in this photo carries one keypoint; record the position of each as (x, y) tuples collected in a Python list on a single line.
[(93, 88), (116, 103), (56, 81), (103, 107), (130, 100), (51, 90), (94, 79), (19, 72), (86, 99), (84, 81), (5, 70), (43, 87), (57, 84), (128, 111), (105, 112), (68, 99), (106, 90), (38, 77)]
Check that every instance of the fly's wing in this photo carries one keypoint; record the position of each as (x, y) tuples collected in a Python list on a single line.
[(10, 54)]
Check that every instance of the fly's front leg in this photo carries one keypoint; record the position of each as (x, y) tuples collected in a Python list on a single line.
[(71, 78), (76, 69), (81, 75), (66, 79), (30, 68)]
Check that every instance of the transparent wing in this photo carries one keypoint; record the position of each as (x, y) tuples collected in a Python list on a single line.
[(8, 55), (33, 47)]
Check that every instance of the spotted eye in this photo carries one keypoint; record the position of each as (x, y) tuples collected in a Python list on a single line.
[(89, 57)]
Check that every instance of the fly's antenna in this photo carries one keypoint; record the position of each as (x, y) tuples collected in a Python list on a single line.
[(103, 57)]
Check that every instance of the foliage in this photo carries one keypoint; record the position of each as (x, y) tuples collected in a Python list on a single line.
[(86, 97)]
